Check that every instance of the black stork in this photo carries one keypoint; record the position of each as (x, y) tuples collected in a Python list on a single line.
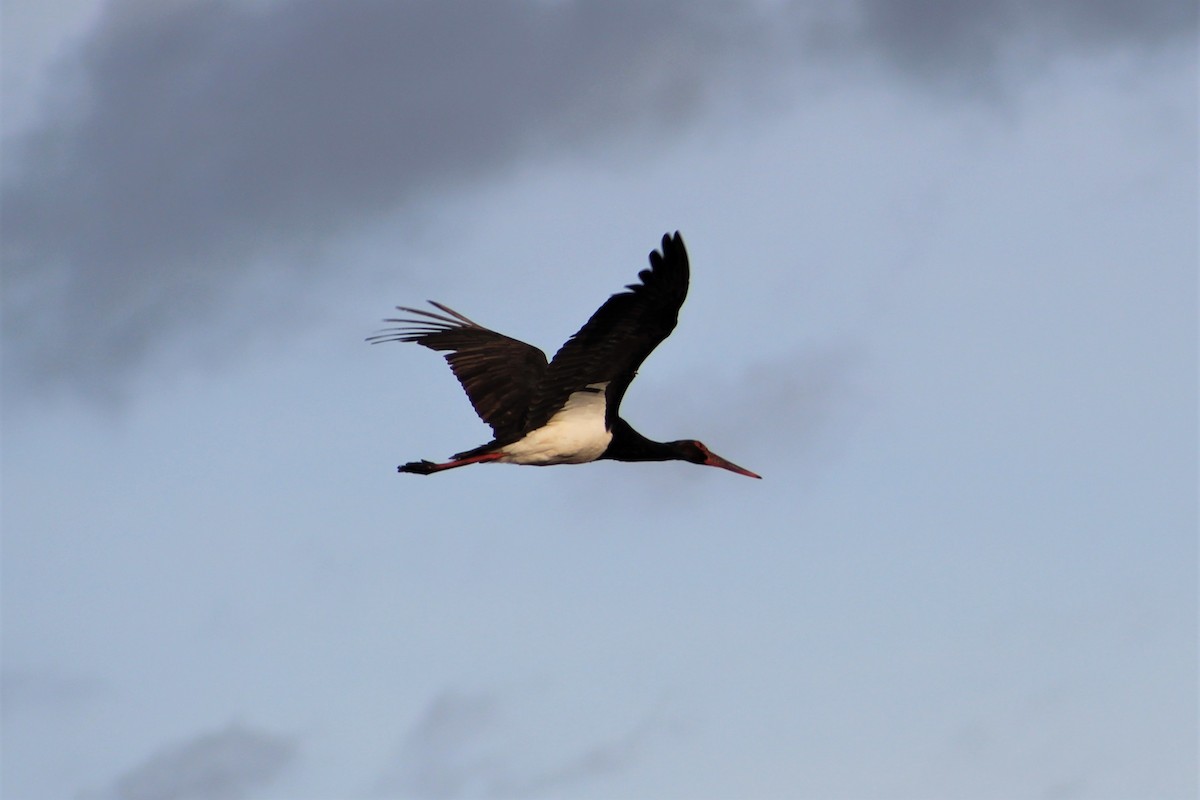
[(564, 411)]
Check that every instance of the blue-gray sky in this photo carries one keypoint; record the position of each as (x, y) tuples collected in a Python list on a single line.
[(944, 300)]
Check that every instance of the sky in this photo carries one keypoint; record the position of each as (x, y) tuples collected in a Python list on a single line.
[(944, 299)]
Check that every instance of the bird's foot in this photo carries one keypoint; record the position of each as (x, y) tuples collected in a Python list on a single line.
[(422, 467)]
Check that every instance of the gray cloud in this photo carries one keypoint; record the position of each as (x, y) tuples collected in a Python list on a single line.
[(224, 765), (203, 139), (216, 133), (459, 747), (956, 44)]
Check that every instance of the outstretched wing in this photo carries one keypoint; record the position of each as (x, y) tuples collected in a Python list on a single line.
[(618, 337), (498, 373)]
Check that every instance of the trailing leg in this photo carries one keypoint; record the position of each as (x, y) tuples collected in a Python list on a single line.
[(428, 467)]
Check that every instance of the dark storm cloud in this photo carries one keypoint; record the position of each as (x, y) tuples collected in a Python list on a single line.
[(963, 44), (201, 138), (215, 132)]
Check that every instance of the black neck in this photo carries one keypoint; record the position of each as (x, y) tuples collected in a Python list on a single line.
[(629, 445)]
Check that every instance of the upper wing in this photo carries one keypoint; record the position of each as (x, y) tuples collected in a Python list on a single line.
[(618, 337), (498, 373)]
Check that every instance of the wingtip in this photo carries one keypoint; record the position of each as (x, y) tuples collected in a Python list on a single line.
[(672, 249)]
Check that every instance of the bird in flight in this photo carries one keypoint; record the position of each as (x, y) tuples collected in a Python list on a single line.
[(566, 410)]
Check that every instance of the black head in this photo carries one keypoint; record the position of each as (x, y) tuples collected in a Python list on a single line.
[(697, 453)]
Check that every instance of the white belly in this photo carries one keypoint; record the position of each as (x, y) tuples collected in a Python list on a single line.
[(575, 435)]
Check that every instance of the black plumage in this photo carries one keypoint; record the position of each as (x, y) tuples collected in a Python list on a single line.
[(516, 391)]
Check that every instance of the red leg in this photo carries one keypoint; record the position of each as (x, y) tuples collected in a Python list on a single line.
[(428, 467)]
